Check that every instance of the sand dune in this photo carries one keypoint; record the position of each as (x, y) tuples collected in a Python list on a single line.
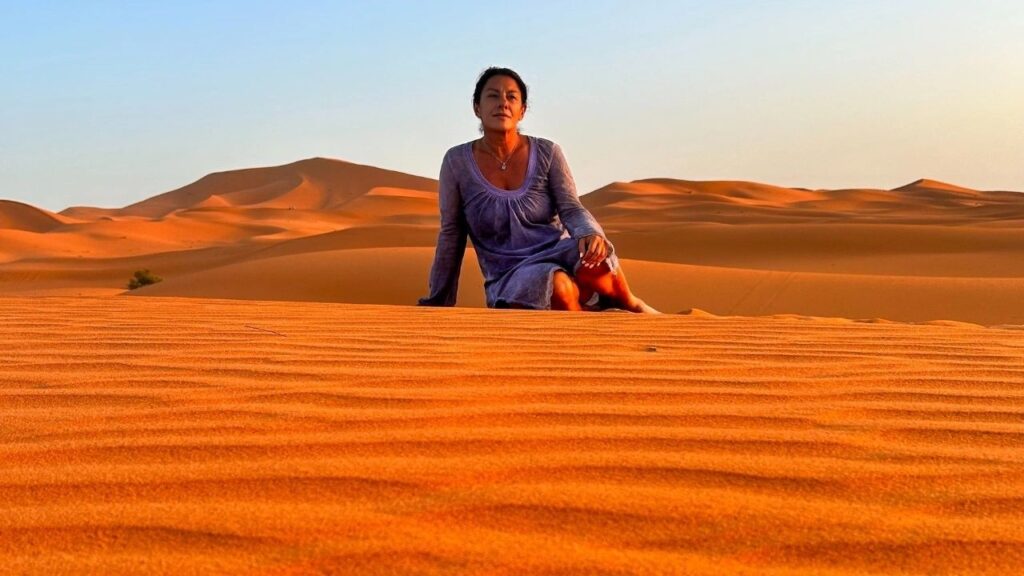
[(328, 230), (313, 184), (321, 276), (924, 184), (170, 436), (19, 216), (258, 206), (727, 291), (874, 249), (384, 276), (744, 203)]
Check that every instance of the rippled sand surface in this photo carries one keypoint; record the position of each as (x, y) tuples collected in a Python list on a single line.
[(177, 436)]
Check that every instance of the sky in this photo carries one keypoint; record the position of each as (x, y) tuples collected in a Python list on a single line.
[(106, 103)]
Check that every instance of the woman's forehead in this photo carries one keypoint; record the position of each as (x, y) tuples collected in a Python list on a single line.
[(498, 82)]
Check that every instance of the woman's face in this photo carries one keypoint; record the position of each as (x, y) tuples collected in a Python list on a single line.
[(501, 104)]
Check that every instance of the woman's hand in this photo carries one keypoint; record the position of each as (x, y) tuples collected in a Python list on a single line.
[(593, 250)]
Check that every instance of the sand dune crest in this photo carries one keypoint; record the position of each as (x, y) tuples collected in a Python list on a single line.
[(19, 216), (313, 184)]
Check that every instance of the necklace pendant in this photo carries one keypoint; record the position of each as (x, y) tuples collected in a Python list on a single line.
[(503, 166)]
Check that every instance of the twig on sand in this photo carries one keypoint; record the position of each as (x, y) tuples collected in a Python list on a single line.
[(264, 330)]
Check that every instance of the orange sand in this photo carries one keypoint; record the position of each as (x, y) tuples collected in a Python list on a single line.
[(176, 436)]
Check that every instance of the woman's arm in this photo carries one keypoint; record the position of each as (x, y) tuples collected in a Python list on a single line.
[(451, 242), (577, 219), (593, 244)]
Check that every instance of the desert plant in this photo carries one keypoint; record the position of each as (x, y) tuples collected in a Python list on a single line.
[(142, 278)]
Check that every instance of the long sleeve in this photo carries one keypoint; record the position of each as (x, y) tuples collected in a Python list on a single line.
[(451, 242), (577, 219)]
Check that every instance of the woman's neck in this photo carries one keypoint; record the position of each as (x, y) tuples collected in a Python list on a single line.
[(501, 143)]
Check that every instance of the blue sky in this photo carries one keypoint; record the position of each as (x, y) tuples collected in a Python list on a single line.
[(106, 103)]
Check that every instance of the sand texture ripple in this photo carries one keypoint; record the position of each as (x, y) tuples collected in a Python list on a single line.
[(186, 436)]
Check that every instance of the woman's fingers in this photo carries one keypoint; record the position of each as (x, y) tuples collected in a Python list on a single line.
[(592, 250), (587, 245)]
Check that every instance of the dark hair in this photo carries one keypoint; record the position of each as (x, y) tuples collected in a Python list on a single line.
[(495, 71)]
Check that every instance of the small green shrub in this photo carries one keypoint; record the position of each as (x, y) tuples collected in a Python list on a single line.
[(143, 278)]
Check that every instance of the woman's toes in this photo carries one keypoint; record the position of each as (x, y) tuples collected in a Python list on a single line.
[(641, 307)]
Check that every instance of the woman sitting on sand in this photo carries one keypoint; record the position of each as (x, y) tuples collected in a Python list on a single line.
[(537, 246)]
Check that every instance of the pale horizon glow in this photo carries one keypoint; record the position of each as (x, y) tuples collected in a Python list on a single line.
[(108, 103)]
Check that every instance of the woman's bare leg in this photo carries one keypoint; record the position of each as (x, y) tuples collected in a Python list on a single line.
[(565, 294), (612, 286)]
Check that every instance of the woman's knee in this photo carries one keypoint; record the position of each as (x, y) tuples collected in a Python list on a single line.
[(599, 279)]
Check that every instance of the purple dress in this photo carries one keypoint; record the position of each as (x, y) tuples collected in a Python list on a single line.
[(521, 237)]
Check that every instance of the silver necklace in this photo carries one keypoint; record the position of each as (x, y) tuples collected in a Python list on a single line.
[(504, 163)]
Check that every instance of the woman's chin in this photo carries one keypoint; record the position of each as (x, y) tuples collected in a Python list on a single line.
[(506, 126)]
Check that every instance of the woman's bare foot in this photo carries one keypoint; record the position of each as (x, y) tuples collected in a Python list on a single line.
[(641, 307)]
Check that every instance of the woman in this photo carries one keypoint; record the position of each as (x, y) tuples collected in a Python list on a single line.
[(537, 246)]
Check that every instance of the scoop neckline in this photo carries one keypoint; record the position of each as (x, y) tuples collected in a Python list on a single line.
[(491, 187)]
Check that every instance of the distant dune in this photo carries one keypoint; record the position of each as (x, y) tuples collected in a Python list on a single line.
[(314, 184), (18, 216), (329, 230), (921, 202)]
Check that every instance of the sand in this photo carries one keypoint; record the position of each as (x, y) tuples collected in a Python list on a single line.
[(844, 393), (174, 436)]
